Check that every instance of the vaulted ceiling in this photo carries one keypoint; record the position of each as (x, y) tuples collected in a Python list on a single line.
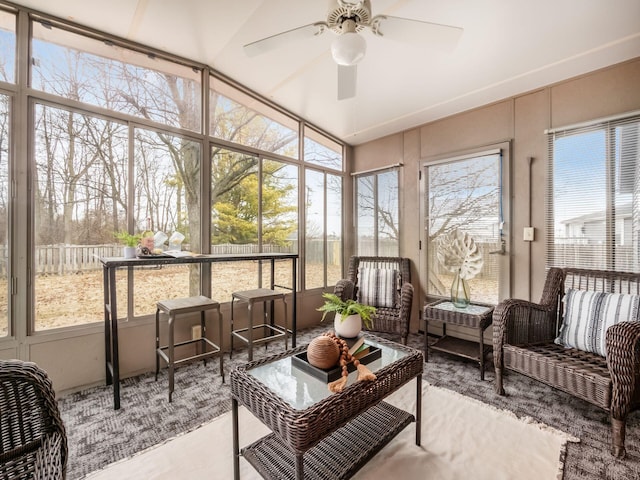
[(507, 47)]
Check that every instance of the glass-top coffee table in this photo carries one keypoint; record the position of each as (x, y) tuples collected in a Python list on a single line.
[(318, 434)]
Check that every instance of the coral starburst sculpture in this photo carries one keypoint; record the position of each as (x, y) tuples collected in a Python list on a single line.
[(457, 252)]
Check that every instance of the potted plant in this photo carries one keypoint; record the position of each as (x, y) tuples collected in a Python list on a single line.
[(129, 241), (349, 314)]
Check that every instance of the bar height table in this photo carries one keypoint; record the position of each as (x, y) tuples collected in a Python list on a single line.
[(111, 264)]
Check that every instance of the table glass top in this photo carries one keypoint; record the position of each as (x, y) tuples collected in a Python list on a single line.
[(470, 309), (301, 390)]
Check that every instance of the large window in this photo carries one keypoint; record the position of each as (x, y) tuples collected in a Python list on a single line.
[(377, 214), (240, 118), (7, 74), (323, 229), (254, 208), (7, 47), (106, 75), (322, 151), (5, 103), (593, 216), (467, 194), (117, 143), (80, 199), (166, 183)]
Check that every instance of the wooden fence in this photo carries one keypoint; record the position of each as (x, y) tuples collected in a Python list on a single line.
[(63, 259)]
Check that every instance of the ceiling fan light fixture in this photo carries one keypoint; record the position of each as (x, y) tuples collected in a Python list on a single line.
[(348, 49)]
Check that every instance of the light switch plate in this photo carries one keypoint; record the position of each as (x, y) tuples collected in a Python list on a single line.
[(528, 234)]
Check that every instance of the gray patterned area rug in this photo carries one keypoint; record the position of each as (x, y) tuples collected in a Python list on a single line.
[(98, 435)]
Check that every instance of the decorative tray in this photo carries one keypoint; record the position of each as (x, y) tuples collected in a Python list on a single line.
[(300, 361)]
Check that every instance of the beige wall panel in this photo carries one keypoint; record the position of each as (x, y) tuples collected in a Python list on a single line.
[(409, 214), (71, 362), (606, 92), (8, 353), (378, 153), (528, 193), (467, 130)]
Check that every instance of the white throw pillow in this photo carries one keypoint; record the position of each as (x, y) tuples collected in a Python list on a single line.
[(588, 314), (378, 287)]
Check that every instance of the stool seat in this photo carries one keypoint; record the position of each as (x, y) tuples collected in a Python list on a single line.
[(246, 334), (258, 294), (181, 306)]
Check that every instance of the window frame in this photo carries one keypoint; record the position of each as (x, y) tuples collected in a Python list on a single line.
[(611, 176), (375, 174), (504, 254), (22, 158)]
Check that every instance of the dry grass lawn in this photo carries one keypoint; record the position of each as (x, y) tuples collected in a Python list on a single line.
[(75, 299)]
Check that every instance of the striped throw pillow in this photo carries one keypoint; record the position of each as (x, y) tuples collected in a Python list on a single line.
[(378, 287), (588, 314)]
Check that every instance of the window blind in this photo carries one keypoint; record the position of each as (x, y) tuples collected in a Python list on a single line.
[(593, 197)]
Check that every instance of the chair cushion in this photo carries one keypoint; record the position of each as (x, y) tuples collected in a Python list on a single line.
[(378, 287), (588, 314)]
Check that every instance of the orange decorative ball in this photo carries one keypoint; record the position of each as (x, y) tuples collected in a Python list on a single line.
[(323, 352)]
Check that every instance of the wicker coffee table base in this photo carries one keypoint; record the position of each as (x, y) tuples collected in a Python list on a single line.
[(333, 436), (339, 456)]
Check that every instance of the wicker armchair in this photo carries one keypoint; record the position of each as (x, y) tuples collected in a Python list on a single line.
[(390, 320), (523, 341), (33, 443)]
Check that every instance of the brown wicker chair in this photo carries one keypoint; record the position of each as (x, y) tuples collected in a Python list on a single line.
[(523, 341), (33, 443), (390, 320)]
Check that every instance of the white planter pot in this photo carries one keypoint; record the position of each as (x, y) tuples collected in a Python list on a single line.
[(347, 327), (129, 252)]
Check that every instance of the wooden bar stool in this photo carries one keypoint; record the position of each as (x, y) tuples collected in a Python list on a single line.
[(181, 306), (274, 331)]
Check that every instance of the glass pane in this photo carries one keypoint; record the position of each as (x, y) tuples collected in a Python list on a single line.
[(597, 230), (315, 229), (80, 200), (4, 210), (579, 166), (279, 206), (167, 191), (321, 150), (377, 214), (334, 229), (234, 220), (7, 47), (239, 118), (387, 212), (280, 214), (627, 207), (366, 215), (465, 195), (109, 76)]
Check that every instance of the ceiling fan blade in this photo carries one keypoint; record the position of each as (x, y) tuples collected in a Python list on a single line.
[(275, 41), (417, 32), (346, 81)]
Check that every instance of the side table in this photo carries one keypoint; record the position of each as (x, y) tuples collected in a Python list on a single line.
[(476, 315)]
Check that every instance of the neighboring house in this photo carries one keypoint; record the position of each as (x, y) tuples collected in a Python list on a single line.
[(589, 229)]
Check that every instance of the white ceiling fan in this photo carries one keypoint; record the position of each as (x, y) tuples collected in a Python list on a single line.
[(347, 19)]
